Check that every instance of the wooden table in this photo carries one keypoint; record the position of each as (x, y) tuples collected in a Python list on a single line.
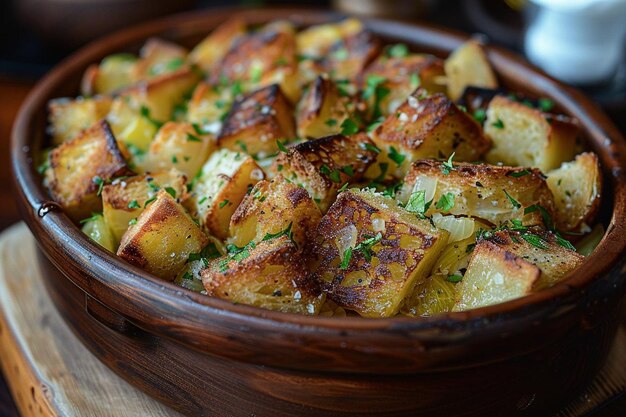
[(12, 93)]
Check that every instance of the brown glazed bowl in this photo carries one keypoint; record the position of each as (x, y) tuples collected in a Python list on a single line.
[(205, 356)]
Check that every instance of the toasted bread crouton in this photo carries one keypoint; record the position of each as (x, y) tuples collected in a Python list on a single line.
[(427, 127), (210, 51), (262, 58), (181, 146), (523, 136), (492, 193), (80, 167), (223, 182), (69, 117), (321, 110), (468, 66), (494, 276), (162, 239), (323, 165), (268, 275), (576, 187), (123, 200), (553, 255), (257, 121), (400, 76), (275, 207), (370, 253)]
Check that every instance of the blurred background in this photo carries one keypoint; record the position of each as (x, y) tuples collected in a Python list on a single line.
[(582, 42)]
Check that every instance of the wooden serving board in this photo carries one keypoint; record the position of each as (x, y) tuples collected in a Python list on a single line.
[(51, 374)]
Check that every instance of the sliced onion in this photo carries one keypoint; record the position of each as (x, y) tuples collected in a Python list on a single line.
[(459, 227), (346, 238), (428, 184)]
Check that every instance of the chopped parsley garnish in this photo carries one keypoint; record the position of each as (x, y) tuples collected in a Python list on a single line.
[(174, 159), (417, 203), (198, 129), (150, 200), (446, 202), (133, 204), (415, 81), (208, 252), (99, 182), (564, 242), (330, 122), (480, 115), (349, 127), (374, 88), (223, 203), (514, 202), (348, 170), (369, 147), (534, 240), (170, 191), (545, 216), (94, 217), (285, 232), (374, 125), (242, 145), (340, 54), (145, 112), (545, 104), (396, 156), (255, 73), (498, 124), (282, 146), (455, 279), (345, 260), (193, 138), (517, 174), (398, 50), (187, 276), (448, 166), (343, 188), (333, 174), (132, 222)]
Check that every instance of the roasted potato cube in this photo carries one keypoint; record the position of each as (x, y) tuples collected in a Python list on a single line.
[(257, 121), (322, 110), (125, 199), (112, 74), (323, 165), (209, 104), (208, 53), (263, 58), (316, 40), (159, 95), (159, 57), (69, 117), (435, 295), (576, 187), (427, 127), (189, 277), (223, 182), (493, 193), (389, 81), (80, 167), (468, 66), (370, 253), (553, 255), (181, 146), (494, 276), (98, 230), (348, 57), (268, 275), (275, 207), (162, 239), (527, 137)]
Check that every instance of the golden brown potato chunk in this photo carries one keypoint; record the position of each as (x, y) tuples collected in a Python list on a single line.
[(80, 167), (262, 58), (68, 117), (576, 187), (370, 253), (274, 207), (257, 121), (223, 182), (553, 255), (468, 66), (208, 53), (112, 74), (269, 275), (489, 192), (427, 127), (525, 136), (124, 199), (390, 80), (322, 166), (158, 57), (209, 105), (322, 110), (162, 239), (494, 276), (178, 145)]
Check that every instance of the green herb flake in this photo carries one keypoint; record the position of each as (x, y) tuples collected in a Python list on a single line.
[(448, 165), (132, 222), (99, 182), (415, 81), (417, 203), (445, 203), (331, 122), (369, 147), (498, 124), (564, 242), (94, 217), (348, 170), (282, 147), (396, 156), (455, 279), (514, 202), (534, 240), (349, 127), (343, 188), (398, 50), (242, 145), (145, 112), (133, 204), (151, 200), (345, 260), (518, 174), (223, 203), (480, 115), (545, 104), (193, 138), (170, 191), (174, 159)]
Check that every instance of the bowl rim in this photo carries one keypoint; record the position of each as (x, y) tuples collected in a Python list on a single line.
[(42, 217)]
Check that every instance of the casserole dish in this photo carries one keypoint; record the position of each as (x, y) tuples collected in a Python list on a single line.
[(205, 356)]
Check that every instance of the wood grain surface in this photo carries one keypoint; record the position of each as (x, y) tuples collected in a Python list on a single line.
[(51, 374)]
